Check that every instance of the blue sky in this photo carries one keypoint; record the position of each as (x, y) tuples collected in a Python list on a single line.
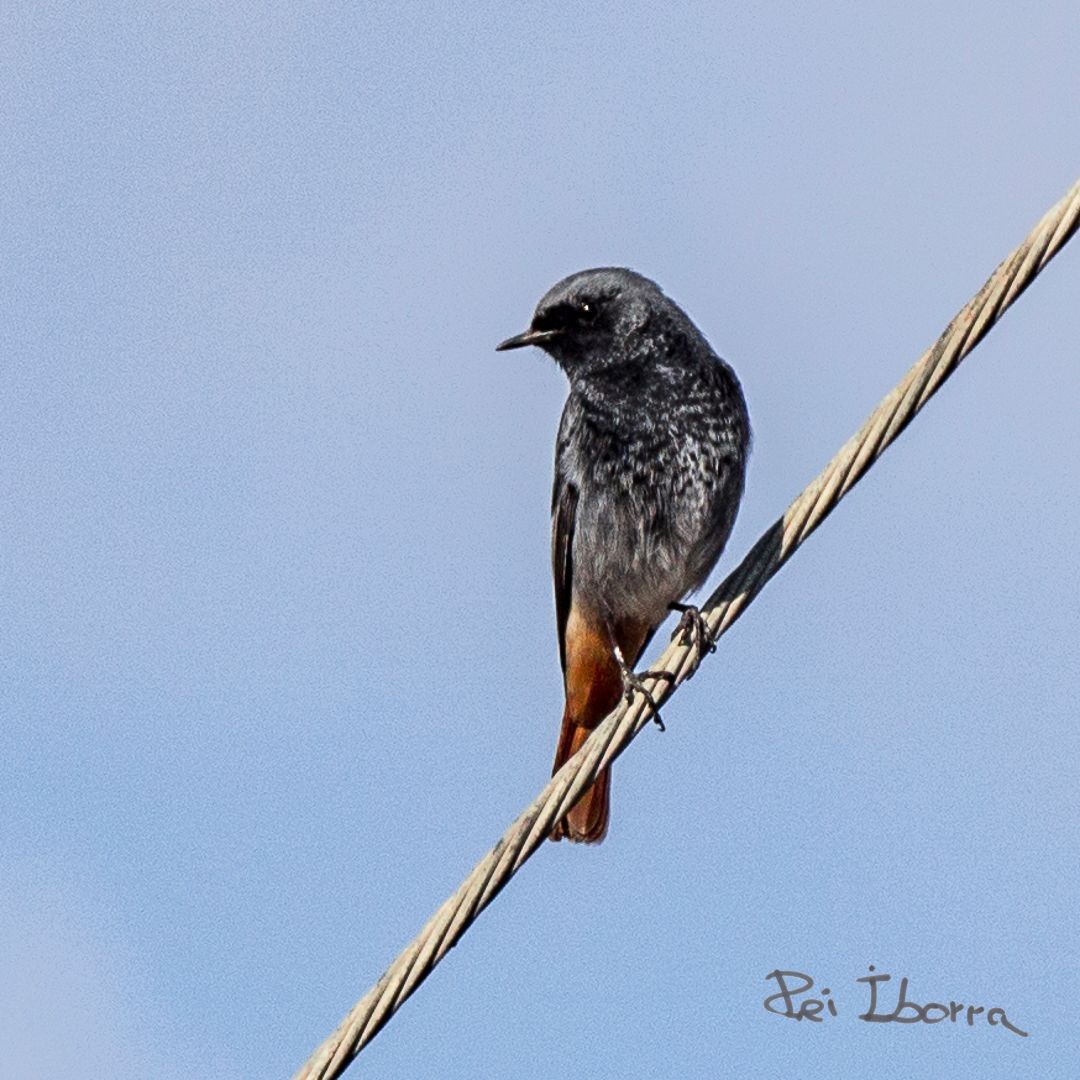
[(278, 657)]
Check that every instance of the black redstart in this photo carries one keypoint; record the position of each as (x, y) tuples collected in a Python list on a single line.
[(649, 470)]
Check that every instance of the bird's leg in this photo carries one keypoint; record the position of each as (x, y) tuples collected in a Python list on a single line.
[(632, 681), (695, 629)]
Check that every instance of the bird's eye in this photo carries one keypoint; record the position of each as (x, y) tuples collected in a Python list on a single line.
[(586, 308)]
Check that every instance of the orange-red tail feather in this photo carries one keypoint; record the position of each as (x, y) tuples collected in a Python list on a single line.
[(587, 822), (594, 684), (593, 688)]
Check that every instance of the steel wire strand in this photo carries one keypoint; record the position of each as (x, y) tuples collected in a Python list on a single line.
[(683, 656)]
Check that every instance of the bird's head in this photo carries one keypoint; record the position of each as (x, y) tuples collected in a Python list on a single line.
[(588, 321)]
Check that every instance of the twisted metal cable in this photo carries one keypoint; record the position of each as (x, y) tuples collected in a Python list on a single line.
[(682, 657)]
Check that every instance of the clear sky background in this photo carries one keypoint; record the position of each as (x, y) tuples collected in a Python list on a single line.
[(277, 654)]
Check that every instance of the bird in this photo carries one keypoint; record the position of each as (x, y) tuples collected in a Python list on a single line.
[(650, 467)]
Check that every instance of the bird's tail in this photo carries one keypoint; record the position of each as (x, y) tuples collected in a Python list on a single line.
[(587, 822), (594, 685)]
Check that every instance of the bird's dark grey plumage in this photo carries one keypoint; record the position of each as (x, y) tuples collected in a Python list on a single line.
[(652, 446)]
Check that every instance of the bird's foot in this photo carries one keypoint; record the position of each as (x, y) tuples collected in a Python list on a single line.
[(694, 630), (632, 682)]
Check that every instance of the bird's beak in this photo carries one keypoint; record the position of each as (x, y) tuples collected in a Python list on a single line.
[(530, 337)]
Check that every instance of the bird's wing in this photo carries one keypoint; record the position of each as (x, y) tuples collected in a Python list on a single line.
[(564, 499)]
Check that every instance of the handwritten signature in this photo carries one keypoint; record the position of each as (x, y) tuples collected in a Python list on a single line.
[(794, 984)]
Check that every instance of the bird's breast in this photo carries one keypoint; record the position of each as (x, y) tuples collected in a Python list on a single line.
[(647, 503)]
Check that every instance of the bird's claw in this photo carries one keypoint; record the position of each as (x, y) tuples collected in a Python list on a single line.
[(694, 630), (633, 682)]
